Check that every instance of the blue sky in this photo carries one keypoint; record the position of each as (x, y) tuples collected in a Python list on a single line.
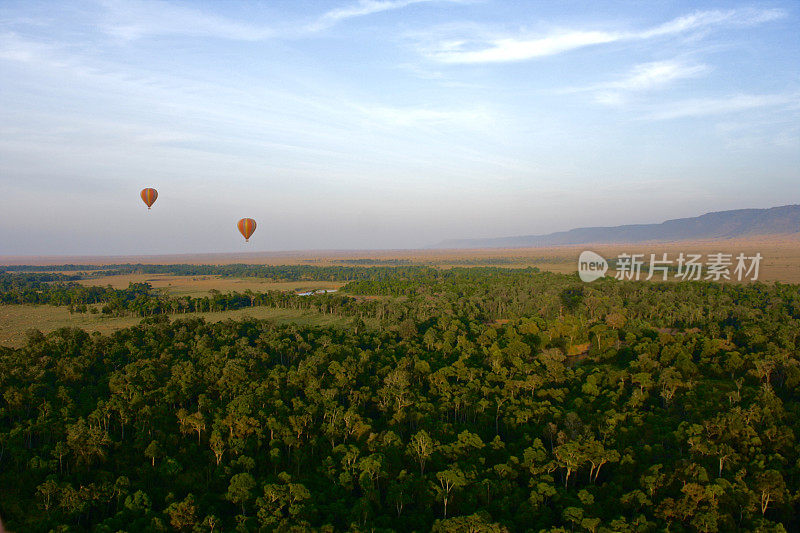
[(385, 123)]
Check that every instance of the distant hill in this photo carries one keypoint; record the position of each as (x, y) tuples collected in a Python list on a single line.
[(718, 225)]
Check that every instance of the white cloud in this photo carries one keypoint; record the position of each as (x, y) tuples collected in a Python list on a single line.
[(706, 19), (655, 74), (14, 48), (420, 116), (133, 19), (643, 77), (780, 131), (700, 107), (362, 8), (220, 118), (509, 49), (499, 49)]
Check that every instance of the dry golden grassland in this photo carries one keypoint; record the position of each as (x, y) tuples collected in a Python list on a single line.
[(15, 320), (200, 285), (781, 257)]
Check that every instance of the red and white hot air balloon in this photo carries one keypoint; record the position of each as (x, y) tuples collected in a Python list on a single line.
[(246, 227), (149, 196)]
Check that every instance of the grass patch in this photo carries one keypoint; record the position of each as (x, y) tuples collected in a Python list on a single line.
[(15, 320), (201, 285)]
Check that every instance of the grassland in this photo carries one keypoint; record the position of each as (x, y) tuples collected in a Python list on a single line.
[(781, 261), (201, 285), (15, 320)]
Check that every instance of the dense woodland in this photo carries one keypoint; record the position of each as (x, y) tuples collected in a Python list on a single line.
[(277, 272), (465, 399)]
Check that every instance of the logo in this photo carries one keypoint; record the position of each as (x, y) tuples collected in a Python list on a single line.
[(686, 267), (591, 266)]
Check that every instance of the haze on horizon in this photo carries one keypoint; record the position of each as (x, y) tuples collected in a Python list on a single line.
[(385, 123)]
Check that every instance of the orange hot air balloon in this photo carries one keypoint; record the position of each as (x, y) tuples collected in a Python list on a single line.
[(246, 227), (149, 196)]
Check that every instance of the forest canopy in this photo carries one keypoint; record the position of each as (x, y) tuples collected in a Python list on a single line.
[(463, 399)]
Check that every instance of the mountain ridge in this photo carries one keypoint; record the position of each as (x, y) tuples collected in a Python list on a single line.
[(713, 225)]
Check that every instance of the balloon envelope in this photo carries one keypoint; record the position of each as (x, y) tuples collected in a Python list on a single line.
[(246, 227), (149, 196)]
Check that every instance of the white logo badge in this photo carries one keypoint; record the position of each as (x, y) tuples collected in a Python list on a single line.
[(591, 266)]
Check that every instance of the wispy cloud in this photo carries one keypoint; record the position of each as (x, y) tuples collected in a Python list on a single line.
[(421, 116), (203, 113), (655, 74), (133, 19), (643, 77), (13, 48), (701, 107), (362, 8), (776, 130), (511, 49), (707, 19), (499, 49)]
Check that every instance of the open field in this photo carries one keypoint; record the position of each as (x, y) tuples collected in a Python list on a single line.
[(200, 285), (781, 260), (781, 257), (15, 320)]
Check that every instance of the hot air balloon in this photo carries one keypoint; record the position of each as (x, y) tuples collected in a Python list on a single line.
[(246, 227), (149, 196)]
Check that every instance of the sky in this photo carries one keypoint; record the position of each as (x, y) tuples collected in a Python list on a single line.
[(385, 124)]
